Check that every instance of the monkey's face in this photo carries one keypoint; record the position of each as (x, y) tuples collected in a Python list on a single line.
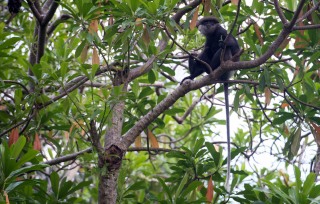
[(207, 28)]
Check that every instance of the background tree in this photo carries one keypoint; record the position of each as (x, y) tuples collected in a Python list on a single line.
[(90, 98)]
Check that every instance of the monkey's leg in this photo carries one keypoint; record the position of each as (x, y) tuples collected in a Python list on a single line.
[(196, 68)]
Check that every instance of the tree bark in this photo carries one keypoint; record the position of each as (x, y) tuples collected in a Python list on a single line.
[(110, 160), (109, 165)]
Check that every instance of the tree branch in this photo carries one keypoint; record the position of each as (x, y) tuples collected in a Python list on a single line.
[(73, 156), (185, 10), (50, 13), (18, 83), (308, 13), (296, 14), (53, 26), (306, 27), (16, 125), (67, 157), (74, 85), (280, 13), (166, 103), (230, 66), (35, 11)]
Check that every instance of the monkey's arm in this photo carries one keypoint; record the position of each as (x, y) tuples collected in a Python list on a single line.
[(195, 68), (216, 61), (230, 43)]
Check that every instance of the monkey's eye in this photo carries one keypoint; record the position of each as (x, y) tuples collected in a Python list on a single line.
[(207, 23)]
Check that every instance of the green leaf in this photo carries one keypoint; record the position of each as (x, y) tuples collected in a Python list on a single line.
[(168, 70), (13, 186), (64, 68), (65, 187), (266, 75), (309, 183), (145, 92), (137, 186), (315, 192), (234, 153), (175, 154), (135, 87), (84, 68), (54, 178), (215, 155), (236, 101), (23, 170), (174, 111), (283, 117), (37, 71), (198, 145), (182, 184), (151, 77), (165, 188), (315, 56), (17, 147), (134, 5), (9, 43), (27, 157), (20, 184), (73, 12), (295, 145), (94, 70), (80, 48), (277, 191), (79, 186), (297, 174), (192, 186)]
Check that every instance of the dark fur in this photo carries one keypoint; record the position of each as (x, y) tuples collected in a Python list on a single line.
[(14, 6), (213, 47), (216, 43)]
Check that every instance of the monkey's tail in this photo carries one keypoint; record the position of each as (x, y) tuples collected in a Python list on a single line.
[(226, 98)]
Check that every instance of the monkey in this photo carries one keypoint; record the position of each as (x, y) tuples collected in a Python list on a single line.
[(213, 47), (216, 44), (14, 6)]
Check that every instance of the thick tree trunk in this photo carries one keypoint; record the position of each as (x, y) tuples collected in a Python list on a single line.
[(109, 170), (110, 158), (108, 187)]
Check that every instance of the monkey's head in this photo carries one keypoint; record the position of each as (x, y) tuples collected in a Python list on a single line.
[(208, 25)]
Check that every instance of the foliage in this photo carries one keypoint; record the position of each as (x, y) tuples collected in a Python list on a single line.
[(111, 66), (13, 167), (283, 192)]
